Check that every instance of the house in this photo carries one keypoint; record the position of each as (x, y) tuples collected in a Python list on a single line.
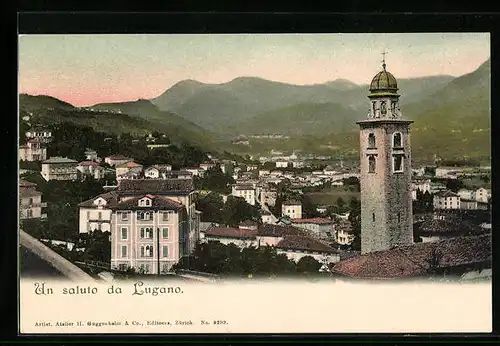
[(91, 168), (450, 257), (32, 151), (322, 209), (281, 164), (195, 171), (447, 172), (298, 164), (437, 187), (248, 224), (483, 195), (44, 135), (268, 196), (141, 214), (321, 227), (438, 226), (424, 185), (91, 155), (238, 236), (207, 166), (116, 160), (59, 168), (295, 243), (466, 194), (468, 204), (30, 201), (128, 167), (446, 200), (344, 232), (252, 167), (292, 209), (264, 172), (267, 217), (246, 191), (295, 247), (157, 171)]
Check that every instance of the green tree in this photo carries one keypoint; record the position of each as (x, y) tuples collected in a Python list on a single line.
[(211, 207), (308, 264), (98, 247), (236, 210), (216, 181), (355, 220)]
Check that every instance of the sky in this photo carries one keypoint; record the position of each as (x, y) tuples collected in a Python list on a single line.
[(88, 69)]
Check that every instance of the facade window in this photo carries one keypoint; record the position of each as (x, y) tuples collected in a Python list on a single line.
[(165, 233), (146, 233), (122, 267), (397, 140), (373, 107), (383, 107), (144, 268), (166, 216), (29, 213), (371, 164), (88, 215), (371, 140), (148, 202), (373, 217), (124, 250), (31, 200), (124, 216), (398, 163), (100, 215), (165, 251), (144, 215), (393, 108), (124, 233), (399, 217), (147, 251)]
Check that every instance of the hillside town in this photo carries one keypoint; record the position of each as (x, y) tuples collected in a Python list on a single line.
[(143, 205)]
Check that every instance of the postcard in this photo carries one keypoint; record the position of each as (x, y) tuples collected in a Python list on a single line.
[(255, 183)]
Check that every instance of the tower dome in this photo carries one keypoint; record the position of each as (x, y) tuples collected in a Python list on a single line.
[(384, 81)]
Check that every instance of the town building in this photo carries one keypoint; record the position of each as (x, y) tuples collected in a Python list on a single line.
[(322, 228), (153, 222), (32, 151), (225, 235), (343, 230), (466, 194), (91, 168), (30, 201), (483, 195), (91, 155), (291, 209), (116, 160), (59, 168), (452, 257), (281, 164), (157, 171), (44, 135), (385, 165), (268, 217), (268, 195), (446, 200), (246, 191), (128, 167)]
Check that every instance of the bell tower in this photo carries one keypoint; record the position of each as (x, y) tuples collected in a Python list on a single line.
[(385, 169)]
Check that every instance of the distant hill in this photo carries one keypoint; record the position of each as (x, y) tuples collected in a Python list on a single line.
[(223, 107), (137, 117), (302, 119), (32, 102)]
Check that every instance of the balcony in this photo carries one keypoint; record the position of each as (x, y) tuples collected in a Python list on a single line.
[(99, 220)]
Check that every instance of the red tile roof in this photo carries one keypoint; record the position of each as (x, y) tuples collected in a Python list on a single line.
[(28, 192), (156, 186), (304, 243), (415, 260), (88, 163), (226, 232), (25, 183), (316, 220), (129, 164), (248, 223), (113, 202), (270, 230)]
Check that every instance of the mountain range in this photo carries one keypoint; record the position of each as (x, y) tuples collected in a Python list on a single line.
[(451, 114)]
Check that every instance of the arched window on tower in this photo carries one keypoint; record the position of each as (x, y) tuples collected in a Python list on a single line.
[(397, 140), (371, 164), (373, 217), (371, 140), (383, 108)]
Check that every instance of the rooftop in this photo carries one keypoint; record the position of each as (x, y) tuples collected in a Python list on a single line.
[(129, 164), (58, 159), (304, 243), (417, 259), (28, 192), (227, 232), (155, 186), (270, 230), (316, 220), (88, 163)]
